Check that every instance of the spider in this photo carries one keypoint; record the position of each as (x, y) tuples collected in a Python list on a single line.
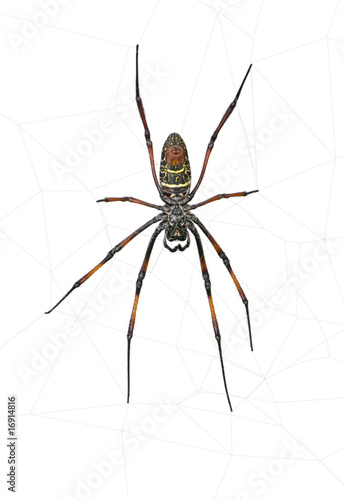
[(175, 219)]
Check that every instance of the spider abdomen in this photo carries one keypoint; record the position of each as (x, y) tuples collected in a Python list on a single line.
[(174, 173)]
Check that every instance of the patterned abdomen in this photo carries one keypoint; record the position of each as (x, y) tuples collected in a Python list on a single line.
[(174, 172)]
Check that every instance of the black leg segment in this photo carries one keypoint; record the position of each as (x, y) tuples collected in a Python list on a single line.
[(139, 284), (207, 281)]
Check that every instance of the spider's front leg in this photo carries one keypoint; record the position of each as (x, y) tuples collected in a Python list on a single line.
[(206, 277), (141, 276), (109, 256), (226, 262)]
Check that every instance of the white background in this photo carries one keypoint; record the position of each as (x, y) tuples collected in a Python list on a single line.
[(60, 79)]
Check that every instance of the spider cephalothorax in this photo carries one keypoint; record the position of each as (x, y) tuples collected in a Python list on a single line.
[(176, 228), (175, 219)]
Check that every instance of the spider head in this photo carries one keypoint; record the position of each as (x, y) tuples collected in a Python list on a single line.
[(174, 173), (176, 229), (178, 233)]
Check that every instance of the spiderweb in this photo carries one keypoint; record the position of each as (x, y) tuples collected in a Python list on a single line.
[(73, 135)]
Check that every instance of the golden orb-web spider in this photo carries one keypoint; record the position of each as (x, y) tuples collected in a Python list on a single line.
[(176, 218)]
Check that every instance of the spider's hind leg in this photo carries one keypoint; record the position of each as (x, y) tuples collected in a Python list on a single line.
[(206, 277), (145, 125), (214, 136)]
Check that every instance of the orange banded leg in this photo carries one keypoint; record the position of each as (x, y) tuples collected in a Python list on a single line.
[(146, 128), (139, 284), (109, 256), (220, 196), (232, 274), (214, 136), (132, 200), (207, 281)]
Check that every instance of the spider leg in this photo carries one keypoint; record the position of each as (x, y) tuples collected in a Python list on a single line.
[(207, 281), (146, 128), (139, 284), (132, 200), (220, 196), (214, 136), (109, 256), (229, 268)]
